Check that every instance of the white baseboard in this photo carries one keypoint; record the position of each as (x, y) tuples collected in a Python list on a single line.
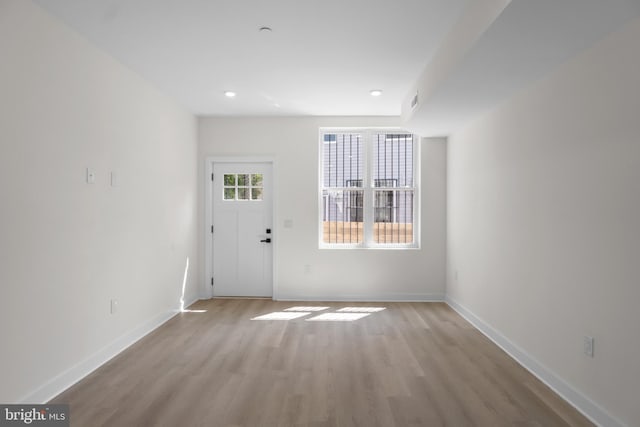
[(579, 401), (364, 298), (66, 379)]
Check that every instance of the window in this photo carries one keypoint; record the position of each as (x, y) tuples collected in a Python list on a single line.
[(242, 186), (367, 189)]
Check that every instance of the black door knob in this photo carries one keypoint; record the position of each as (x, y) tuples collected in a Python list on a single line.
[(266, 240)]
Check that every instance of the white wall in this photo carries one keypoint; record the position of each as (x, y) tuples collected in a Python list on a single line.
[(66, 247), (335, 274), (544, 221)]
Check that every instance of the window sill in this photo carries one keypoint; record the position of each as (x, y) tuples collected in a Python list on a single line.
[(368, 248)]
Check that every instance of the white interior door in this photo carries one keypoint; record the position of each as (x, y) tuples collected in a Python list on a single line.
[(242, 229)]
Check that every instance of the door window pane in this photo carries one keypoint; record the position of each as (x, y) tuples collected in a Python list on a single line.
[(256, 180), (243, 180), (243, 194), (229, 193), (256, 194)]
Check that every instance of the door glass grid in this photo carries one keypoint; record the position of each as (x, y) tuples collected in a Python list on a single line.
[(243, 186)]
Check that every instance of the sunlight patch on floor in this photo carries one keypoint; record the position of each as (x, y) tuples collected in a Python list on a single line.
[(361, 309), (345, 314), (338, 317), (312, 308), (282, 315)]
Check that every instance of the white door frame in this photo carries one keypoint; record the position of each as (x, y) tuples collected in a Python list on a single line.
[(208, 216)]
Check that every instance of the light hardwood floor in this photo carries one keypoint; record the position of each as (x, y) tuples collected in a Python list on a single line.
[(412, 364)]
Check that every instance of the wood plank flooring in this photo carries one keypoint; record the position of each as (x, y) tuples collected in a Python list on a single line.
[(411, 364)]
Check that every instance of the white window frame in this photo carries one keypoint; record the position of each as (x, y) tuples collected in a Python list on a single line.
[(368, 191)]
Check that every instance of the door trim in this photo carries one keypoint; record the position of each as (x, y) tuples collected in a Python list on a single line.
[(207, 289)]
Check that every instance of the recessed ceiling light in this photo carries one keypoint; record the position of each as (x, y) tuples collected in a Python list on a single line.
[(375, 92), (229, 94), (265, 29)]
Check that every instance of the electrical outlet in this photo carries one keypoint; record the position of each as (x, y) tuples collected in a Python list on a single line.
[(587, 346), (114, 306), (307, 269)]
